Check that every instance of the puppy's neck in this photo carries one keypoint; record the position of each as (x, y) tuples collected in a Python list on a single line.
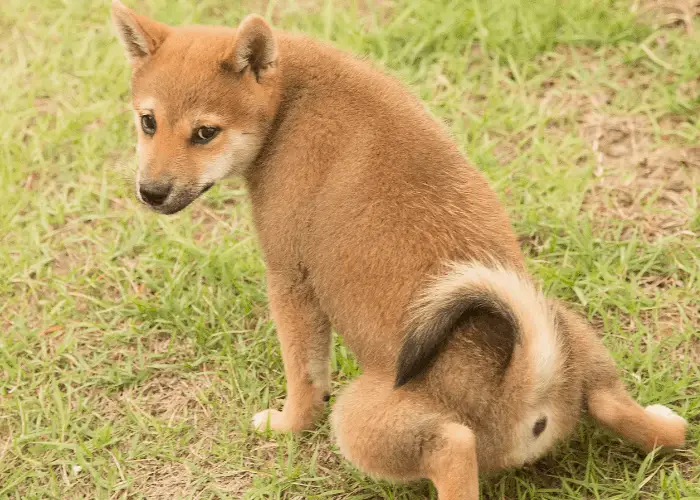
[(303, 70)]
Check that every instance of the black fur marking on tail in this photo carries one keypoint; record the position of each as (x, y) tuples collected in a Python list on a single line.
[(423, 341)]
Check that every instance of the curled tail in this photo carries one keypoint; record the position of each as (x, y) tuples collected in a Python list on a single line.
[(473, 289)]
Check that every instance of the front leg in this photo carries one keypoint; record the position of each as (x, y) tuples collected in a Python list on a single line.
[(305, 337)]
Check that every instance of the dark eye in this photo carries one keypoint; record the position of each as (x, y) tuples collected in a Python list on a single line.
[(204, 134), (148, 124)]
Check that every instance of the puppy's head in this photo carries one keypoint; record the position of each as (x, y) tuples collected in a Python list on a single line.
[(203, 98)]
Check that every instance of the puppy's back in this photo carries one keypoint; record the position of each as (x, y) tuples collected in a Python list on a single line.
[(374, 194)]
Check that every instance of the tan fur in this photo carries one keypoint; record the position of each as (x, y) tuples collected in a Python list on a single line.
[(522, 298), (366, 210)]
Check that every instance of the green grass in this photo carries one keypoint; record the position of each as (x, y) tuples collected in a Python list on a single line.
[(134, 348)]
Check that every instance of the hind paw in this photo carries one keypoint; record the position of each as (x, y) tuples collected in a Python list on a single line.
[(674, 425), (664, 412)]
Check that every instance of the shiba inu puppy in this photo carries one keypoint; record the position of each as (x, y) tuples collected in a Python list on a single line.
[(371, 221)]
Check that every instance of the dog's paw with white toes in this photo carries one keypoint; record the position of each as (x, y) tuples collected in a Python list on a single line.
[(267, 420), (663, 411), (670, 434)]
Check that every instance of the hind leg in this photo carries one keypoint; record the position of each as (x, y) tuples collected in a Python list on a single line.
[(403, 435), (609, 403), (649, 427)]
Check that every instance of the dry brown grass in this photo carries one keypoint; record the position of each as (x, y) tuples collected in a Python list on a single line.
[(652, 188)]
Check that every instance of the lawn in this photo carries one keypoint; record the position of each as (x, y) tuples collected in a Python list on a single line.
[(134, 347)]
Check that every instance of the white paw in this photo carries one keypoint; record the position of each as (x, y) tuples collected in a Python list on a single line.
[(267, 420), (663, 411)]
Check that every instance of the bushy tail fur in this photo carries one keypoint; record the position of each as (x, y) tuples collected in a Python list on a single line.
[(465, 291)]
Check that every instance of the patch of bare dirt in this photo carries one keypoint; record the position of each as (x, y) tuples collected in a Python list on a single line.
[(171, 397), (671, 319), (652, 187), (158, 480), (668, 321), (564, 92), (668, 13)]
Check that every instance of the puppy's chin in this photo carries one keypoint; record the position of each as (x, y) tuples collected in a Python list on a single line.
[(171, 208), (180, 200)]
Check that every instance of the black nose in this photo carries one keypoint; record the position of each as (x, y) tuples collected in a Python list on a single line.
[(154, 194)]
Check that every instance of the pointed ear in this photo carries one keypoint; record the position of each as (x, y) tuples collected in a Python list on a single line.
[(141, 36), (255, 47)]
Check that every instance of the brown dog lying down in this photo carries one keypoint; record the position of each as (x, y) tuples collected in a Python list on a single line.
[(371, 221)]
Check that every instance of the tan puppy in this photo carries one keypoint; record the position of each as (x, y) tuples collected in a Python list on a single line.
[(371, 221)]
